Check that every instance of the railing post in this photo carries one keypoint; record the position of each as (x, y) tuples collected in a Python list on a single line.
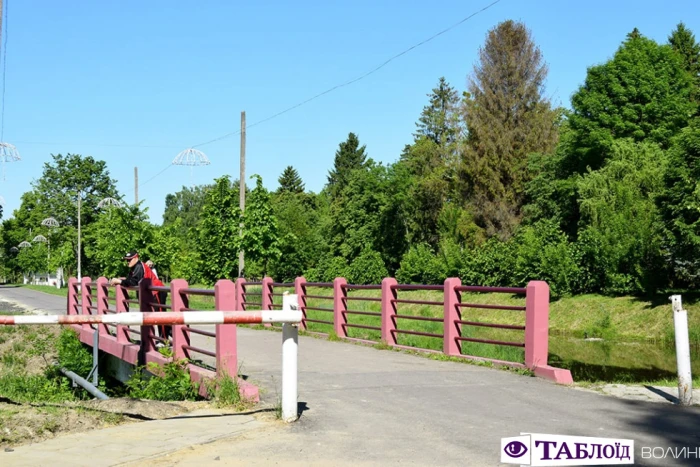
[(225, 293), (300, 291), (86, 300), (145, 296), (72, 296), (122, 330), (451, 329), (389, 311), (102, 303), (340, 306), (266, 296), (240, 294), (536, 324), (178, 302)]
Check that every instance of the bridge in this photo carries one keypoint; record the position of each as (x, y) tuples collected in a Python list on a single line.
[(367, 405)]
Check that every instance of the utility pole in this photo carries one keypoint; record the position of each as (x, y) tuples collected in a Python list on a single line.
[(136, 182), (241, 189), (80, 196)]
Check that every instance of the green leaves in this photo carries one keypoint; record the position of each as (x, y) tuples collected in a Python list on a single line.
[(642, 93), (219, 233), (260, 236)]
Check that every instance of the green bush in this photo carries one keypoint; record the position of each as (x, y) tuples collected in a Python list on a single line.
[(171, 382), (368, 268), (72, 354), (420, 266)]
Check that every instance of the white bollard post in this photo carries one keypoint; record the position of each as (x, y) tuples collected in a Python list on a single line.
[(290, 346), (685, 379)]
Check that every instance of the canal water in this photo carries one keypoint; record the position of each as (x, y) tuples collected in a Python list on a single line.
[(618, 361)]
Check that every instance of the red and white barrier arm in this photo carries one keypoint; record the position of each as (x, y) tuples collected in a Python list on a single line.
[(163, 318)]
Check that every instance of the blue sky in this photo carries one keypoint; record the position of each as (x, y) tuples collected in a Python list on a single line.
[(157, 77)]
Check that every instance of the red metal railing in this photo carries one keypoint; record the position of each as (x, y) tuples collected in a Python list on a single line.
[(393, 321)]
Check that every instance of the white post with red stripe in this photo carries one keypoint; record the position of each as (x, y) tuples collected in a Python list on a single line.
[(290, 316)]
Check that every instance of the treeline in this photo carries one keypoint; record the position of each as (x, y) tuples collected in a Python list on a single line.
[(497, 187)]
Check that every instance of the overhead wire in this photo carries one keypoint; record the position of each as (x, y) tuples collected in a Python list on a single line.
[(352, 81)]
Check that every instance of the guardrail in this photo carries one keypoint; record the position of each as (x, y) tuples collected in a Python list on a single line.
[(445, 318)]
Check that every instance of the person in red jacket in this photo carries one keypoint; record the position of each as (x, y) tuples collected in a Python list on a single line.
[(137, 271)]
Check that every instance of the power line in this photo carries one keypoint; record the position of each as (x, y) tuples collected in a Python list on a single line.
[(463, 20), (166, 168)]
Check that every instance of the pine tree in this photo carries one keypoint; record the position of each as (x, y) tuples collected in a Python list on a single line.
[(290, 181), (438, 121), (682, 41), (349, 156), (507, 118)]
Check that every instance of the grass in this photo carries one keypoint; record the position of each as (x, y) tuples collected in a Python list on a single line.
[(47, 289)]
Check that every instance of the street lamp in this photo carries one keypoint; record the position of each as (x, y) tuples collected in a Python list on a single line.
[(8, 153), (191, 157), (24, 245)]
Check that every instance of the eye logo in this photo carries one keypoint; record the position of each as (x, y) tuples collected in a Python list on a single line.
[(515, 449)]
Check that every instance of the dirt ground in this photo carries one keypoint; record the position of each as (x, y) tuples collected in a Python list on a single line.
[(27, 350)]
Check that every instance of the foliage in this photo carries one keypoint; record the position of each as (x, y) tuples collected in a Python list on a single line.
[(349, 157), (420, 266), (72, 354), (367, 268), (682, 41), (621, 220), (171, 382), (642, 93), (116, 231), (507, 117), (260, 234), (184, 208), (290, 181), (219, 233), (680, 203)]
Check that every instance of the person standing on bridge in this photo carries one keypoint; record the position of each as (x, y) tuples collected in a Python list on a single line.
[(138, 271)]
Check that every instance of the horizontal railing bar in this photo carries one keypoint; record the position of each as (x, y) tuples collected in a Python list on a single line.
[(319, 296), (252, 303), (486, 341), (159, 305), (132, 301), (416, 333), (159, 288), (283, 284), (200, 331), (421, 318), (366, 299), (252, 283), (362, 287), (255, 294), (491, 307), (418, 302), (491, 325), (207, 292), (480, 288), (318, 284), (417, 287), (308, 320), (350, 325), (365, 313), (317, 308), (198, 350)]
